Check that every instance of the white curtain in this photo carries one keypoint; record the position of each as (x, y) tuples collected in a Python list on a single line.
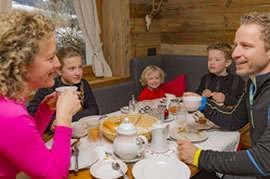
[(86, 11), (5, 5)]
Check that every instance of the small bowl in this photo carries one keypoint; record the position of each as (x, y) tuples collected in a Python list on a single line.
[(192, 103)]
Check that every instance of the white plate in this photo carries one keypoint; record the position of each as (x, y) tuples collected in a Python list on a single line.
[(189, 134), (50, 143), (88, 118), (160, 168), (124, 109), (87, 157), (103, 169), (79, 135), (198, 126)]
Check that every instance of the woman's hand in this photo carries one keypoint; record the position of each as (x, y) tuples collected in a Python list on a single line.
[(186, 151), (67, 105), (50, 101)]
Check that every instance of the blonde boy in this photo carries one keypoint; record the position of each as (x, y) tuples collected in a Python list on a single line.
[(220, 84)]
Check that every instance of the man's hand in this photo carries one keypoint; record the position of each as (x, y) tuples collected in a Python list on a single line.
[(50, 101), (207, 93), (186, 151), (218, 97)]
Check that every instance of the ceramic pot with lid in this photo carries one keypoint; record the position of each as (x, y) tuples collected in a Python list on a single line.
[(127, 144)]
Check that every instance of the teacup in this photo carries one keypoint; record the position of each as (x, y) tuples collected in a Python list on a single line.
[(192, 103), (60, 90)]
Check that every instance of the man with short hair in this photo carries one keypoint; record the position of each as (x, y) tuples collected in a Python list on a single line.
[(252, 58)]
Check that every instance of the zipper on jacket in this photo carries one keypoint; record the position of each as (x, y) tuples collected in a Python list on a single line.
[(252, 92)]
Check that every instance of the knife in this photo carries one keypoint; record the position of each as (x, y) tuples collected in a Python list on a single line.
[(76, 152)]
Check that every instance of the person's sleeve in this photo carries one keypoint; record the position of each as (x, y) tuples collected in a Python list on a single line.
[(90, 106), (231, 119), (231, 99), (34, 103), (251, 162), (201, 86), (142, 96), (43, 118), (25, 149)]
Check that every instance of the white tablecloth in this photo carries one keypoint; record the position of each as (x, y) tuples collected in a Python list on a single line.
[(218, 139)]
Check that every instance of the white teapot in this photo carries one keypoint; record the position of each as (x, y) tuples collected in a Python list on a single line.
[(159, 141), (127, 144)]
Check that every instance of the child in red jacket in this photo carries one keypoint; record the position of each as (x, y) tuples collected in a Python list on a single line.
[(152, 77)]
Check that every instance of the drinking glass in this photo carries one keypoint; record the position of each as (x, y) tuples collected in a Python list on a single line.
[(94, 132), (181, 114)]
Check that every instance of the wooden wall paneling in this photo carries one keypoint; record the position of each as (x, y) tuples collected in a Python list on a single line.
[(199, 49), (187, 27), (116, 35), (140, 39), (197, 37)]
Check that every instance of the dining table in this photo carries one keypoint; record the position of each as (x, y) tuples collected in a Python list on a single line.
[(218, 139)]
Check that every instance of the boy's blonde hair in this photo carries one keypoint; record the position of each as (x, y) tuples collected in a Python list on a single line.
[(222, 46), (149, 69), (20, 35)]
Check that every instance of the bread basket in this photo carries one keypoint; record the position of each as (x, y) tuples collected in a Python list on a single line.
[(142, 122)]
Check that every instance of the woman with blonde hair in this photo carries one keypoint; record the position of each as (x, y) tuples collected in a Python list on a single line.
[(28, 62)]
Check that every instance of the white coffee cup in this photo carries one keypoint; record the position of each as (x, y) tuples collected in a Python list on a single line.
[(60, 90)]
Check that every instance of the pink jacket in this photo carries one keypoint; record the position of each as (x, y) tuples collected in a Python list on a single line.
[(21, 145)]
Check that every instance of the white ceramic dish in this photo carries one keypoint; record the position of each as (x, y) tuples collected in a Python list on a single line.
[(160, 168), (88, 118), (50, 143), (170, 118), (188, 134), (87, 157), (124, 109), (79, 135), (192, 103), (197, 126), (137, 158), (103, 169)]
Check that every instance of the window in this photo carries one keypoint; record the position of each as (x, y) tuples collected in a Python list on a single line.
[(62, 12)]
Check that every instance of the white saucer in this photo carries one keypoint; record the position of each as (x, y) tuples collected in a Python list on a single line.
[(79, 135), (137, 158), (87, 157), (103, 169), (160, 168), (88, 118), (170, 118), (124, 109)]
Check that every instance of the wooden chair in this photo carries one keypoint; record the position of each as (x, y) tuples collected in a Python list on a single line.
[(245, 137)]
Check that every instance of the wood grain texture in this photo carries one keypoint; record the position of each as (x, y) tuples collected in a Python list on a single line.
[(177, 49), (181, 27), (116, 35)]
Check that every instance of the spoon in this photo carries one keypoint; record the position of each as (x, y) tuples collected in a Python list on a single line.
[(116, 166)]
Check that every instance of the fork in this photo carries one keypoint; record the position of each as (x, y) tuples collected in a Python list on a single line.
[(76, 152)]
